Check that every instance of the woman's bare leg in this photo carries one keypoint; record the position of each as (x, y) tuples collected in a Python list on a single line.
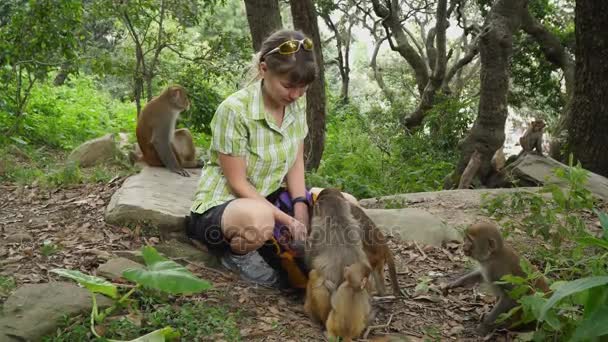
[(247, 224)]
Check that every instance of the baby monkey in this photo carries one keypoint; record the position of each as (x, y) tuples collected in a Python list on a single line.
[(351, 304), (484, 243)]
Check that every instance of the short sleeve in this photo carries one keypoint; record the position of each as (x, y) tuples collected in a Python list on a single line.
[(228, 131)]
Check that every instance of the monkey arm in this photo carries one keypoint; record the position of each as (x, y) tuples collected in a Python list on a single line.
[(162, 144), (470, 278), (505, 303), (539, 143)]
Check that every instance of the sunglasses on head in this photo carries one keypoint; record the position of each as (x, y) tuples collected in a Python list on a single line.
[(292, 46)]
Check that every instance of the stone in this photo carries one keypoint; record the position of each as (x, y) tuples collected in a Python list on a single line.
[(96, 151), (155, 197), (411, 224), (35, 310), (539, 170), (462, 197), (114, 268), (179, 250)]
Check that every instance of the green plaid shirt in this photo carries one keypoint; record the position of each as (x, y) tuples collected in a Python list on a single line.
[(241, 127)]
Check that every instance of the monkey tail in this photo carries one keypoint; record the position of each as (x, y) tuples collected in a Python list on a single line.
[(392, 272)]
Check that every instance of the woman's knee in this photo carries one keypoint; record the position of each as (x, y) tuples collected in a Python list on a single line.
[(249, 219)]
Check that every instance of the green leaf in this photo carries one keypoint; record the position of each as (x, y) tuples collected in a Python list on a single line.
[(570, 288), (593, 326), (165, 275), (160, 335), (603, 221), (93, 284), (593, 241)]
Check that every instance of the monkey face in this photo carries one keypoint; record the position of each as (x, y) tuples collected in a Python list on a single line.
[(179, 98), (538, 125)]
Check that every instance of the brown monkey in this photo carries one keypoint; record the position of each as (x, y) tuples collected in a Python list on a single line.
[(351, 304), (160, 143), (374, 245), (484, 243), (533, 138), (317, 303), (335, 239)]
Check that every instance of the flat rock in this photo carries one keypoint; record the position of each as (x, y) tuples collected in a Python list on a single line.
[(539, 170), (179, 250), (411, 224), (462, 198), (35, 310), (96, 151), (114, 268), (155, 196)]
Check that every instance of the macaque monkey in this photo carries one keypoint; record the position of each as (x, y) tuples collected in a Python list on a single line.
[(533, 138), (160, 143), (350, 304), (333, 244), (374, 245), (317, 303), (484, 243)]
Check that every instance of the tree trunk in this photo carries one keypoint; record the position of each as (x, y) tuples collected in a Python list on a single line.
[(495, 48), (305, 19), (264, 18), (588, 117)]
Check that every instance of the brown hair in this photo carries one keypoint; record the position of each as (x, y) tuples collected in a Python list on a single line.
[(299, 68)]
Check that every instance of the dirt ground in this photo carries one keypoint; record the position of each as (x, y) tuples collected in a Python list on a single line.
[(41, 230)]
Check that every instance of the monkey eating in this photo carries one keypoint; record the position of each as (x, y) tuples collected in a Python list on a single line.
[(484, 243), (160, 143), (350, 304), (533, 138), (334, 243), (374, 245)]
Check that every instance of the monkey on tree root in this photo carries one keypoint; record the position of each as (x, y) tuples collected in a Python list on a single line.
[(160, 143), (484, 243)]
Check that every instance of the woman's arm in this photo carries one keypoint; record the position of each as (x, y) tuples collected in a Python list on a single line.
[(235, 171), (297, 186)]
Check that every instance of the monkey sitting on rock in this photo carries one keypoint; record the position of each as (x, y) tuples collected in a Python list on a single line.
[(160, 143)]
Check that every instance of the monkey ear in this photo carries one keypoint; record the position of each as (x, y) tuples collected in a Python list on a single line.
[(492, 244)]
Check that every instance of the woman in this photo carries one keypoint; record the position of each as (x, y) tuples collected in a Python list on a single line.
[(257, 143)]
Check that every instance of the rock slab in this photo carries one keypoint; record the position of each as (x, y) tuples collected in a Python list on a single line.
[(34, 310), (114, 268), (539, 170), (411, 224), (155, 196), (96, 151)]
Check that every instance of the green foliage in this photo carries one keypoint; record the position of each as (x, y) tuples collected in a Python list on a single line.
[(554, 218), (65, 116), (165, 275), (367, 155), (449, 121), (37, 37), (160, 274), (7, 284), (91, 283)]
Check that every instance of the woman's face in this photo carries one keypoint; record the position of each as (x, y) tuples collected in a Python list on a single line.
[(279, 88)]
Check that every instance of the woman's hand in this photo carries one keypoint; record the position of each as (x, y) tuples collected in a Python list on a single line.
[(300, 213), (297, 229)]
